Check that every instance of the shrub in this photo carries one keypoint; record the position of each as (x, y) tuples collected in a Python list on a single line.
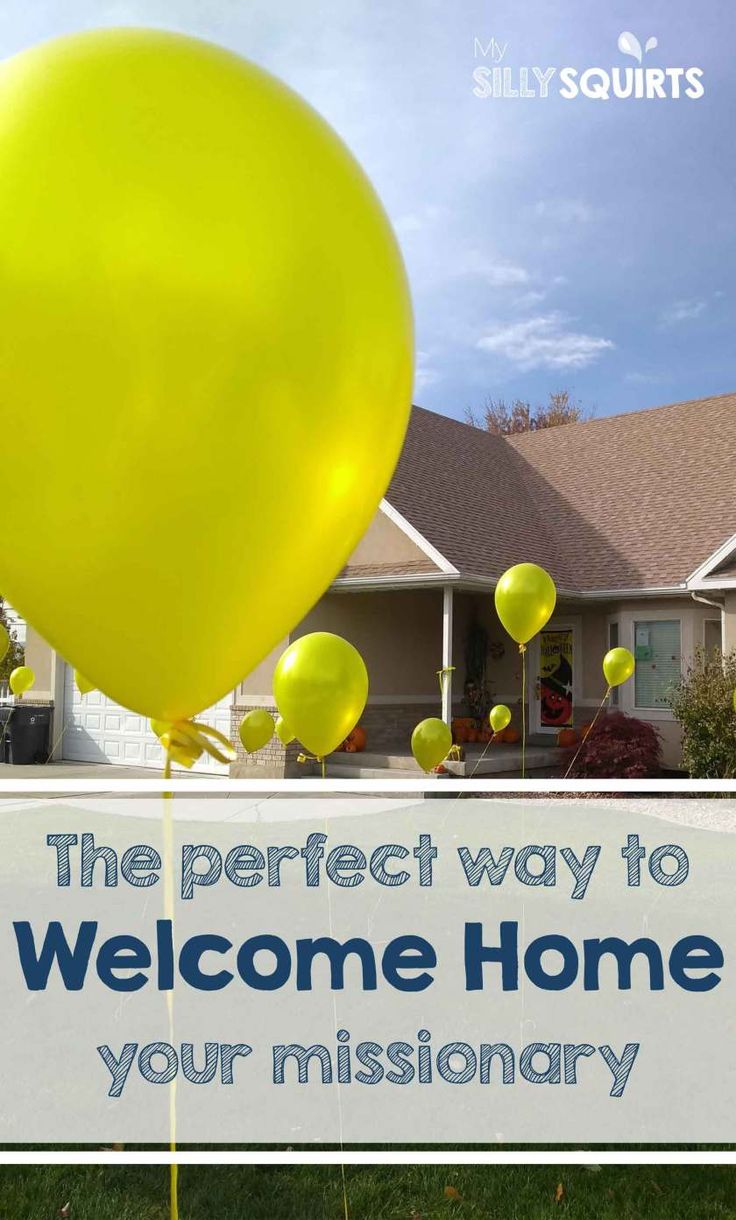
[(619, 747), (703, 704)]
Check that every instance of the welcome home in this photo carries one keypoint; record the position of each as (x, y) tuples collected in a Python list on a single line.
[(211, 962)]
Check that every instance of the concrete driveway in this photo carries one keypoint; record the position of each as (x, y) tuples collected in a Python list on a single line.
[(101, 771)]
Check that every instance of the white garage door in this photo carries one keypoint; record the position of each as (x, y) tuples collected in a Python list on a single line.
[(97, 730)]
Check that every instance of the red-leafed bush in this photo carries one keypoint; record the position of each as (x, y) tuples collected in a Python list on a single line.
[(619, 747)]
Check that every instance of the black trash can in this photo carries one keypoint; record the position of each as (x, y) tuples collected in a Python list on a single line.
[(6, 711), (29, 734)]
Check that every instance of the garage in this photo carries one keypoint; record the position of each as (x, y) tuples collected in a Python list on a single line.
[(96, 730)]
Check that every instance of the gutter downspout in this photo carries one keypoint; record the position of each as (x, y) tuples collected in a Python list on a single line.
[(706, 601)]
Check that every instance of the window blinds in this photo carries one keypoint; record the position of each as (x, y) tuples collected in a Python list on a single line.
[(658, 661)]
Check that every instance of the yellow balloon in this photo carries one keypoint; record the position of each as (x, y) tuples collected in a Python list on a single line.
[(256, 729), (320, 685), (431, 742), (199, 284), (525, 599), (500, 717), (21, 679), (84, 686), (618, 666), (283, 732), (4, 641)]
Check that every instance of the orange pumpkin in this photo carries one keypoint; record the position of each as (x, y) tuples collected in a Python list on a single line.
[(350, 748), (566, 738), (511, 736), (358, 739), (460, 733)]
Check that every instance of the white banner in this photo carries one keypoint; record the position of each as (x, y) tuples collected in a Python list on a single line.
[(361, 969)]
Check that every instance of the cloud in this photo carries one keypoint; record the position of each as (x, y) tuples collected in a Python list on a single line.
[(636, 378), (527, 299), (564, 211), (495, 272), (424, 374), (544, 341), (415, 222), (682, 311)]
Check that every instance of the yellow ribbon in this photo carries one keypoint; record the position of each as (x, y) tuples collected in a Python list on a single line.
[(186, 740), (442, 674)]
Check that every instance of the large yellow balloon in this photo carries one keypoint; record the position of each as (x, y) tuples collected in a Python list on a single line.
[(320, 685), (199, 287), (21, 679), (431, 742), (84, 686), (4, 641), (618, 666), (256, 729), (525, 599)]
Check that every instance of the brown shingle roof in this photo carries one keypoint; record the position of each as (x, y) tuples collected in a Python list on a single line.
[(418, 567), (626, 502)]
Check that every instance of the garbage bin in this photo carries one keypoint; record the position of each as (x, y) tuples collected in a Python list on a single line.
[(6, 711), (29, 734)]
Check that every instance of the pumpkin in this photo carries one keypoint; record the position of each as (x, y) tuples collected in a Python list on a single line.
[(350, 748), (566, 738), (460, 733), (511, 736), (358, 739)]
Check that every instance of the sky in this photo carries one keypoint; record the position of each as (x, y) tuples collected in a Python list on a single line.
[(551, 243)]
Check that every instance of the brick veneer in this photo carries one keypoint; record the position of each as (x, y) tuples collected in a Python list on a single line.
[(274, 761)]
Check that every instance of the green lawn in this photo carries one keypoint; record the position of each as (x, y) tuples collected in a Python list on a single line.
[(417, 1192)]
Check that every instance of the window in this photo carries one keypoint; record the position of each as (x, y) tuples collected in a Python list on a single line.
[(712, 635), (658, 661), (613, 638)]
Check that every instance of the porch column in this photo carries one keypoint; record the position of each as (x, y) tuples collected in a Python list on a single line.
[(447, 652)]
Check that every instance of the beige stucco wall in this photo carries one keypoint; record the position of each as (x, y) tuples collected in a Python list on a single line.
[(40, 656), (384, 543), (730, 621), (398, 634)]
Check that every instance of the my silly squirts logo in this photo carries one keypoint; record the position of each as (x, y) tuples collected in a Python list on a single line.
[(496, 79)]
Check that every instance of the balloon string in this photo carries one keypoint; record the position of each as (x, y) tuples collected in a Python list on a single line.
[(522, 650), (169, 914), (584, 742)]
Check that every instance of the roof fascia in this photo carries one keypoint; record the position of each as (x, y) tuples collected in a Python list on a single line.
[(418, 539), (724, 551)]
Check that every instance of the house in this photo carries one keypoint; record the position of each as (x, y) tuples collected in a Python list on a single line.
[(634, 516)]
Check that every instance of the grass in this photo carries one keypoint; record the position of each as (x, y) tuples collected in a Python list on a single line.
[(419, 1192)]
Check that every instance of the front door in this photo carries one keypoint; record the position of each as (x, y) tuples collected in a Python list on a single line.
[(552, 695)]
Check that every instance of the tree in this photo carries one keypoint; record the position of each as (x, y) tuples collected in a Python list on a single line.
[(14, 656), (507, 420)]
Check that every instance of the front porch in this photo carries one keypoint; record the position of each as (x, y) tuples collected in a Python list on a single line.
[(408, 637), (541, 760)]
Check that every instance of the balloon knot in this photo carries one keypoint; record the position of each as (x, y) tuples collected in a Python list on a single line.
[(522, 647)]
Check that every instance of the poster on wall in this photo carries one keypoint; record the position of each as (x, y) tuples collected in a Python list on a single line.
[(555, 678)]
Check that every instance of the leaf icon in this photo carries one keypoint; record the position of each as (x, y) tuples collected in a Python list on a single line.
[(650, 44), (628, 44)]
